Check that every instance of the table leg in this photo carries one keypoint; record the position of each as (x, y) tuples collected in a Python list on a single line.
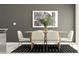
[(45, 41), (45, 37)]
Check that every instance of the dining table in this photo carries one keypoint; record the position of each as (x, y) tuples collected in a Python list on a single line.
[(45, 37)]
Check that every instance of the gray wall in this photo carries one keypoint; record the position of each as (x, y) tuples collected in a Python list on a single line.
[(22, 15)]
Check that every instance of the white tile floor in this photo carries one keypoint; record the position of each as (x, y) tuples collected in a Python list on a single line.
[(10, 46), (13, 45), (2, 48)]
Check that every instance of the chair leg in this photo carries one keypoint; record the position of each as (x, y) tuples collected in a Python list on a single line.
[(20, 43), (58, 45), (32, 44)]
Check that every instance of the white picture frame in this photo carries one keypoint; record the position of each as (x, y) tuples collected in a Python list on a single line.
[(36, 15)]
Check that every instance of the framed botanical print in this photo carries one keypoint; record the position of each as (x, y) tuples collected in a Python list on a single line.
[(38, 15)]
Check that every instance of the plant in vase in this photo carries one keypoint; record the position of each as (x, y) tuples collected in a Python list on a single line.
[(45, 21)]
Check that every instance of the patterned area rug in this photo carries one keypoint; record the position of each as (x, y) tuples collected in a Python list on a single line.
[(44, 49)]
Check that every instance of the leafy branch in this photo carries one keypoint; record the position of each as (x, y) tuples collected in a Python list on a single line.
[(45, 21)]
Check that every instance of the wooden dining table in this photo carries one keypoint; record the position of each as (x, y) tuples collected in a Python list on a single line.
[(45, 37)]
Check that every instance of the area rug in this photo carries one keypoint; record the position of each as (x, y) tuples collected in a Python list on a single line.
[(44, 49)]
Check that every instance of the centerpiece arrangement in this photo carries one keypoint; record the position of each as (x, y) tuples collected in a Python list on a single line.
[(45, 21)]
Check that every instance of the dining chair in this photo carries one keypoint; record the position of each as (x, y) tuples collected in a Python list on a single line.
[(37, 37), (53, 37), (69, 37), (21, 38)]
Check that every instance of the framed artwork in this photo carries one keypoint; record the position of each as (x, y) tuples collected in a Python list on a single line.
[(37, 15)]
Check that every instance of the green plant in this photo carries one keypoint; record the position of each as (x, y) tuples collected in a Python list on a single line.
[(45, 21)]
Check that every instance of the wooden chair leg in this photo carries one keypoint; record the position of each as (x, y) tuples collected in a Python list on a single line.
[(58, 45), (32, 45)]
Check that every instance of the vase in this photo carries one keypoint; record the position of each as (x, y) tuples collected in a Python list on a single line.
[(45, 28)]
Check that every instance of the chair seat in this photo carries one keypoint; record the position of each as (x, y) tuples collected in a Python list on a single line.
[(52, 41), (42, 41), (25, 39), (65, 39), (38, 41)]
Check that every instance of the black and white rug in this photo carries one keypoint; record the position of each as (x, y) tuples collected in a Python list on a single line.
[(44, 49)]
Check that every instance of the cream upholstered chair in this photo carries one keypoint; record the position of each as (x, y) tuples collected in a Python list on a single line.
[(53, 37), (21, 38), (37, 37), (69, 38)]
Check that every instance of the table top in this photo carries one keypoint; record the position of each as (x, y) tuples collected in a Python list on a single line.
[(46, 31)]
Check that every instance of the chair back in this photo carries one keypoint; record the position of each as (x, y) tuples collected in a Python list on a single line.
[(37, 35), (70, 35), (52, 35), (20, 35)]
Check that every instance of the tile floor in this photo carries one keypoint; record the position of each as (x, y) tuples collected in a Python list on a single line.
[(2, 48)]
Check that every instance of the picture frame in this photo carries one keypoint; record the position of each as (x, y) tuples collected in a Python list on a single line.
[(37, 15)]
